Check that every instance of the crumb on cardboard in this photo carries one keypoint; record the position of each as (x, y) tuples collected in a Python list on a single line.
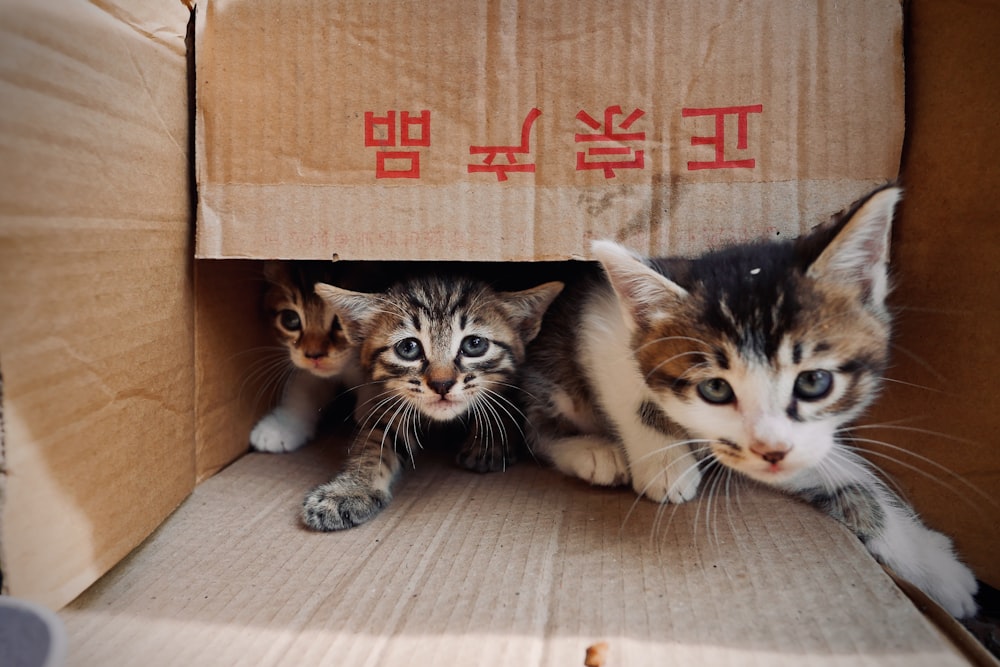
[(596, 655)]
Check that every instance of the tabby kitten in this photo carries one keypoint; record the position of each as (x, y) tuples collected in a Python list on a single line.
[(755, 358), (434, 351), (323, 361)]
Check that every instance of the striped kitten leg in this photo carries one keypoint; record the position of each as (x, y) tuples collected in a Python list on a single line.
[(355, 495), (892, 532), (364, 487)]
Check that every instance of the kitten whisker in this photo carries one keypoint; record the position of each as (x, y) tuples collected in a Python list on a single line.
[(498, 401), (920, 471), (911, 429), (672, 445), (670, 359), (920, 362), (886, 378), (844, 457)]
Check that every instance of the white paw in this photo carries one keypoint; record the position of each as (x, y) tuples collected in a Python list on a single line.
[(279, 432), (597, 461), (944, 578), (667, 478), (928, 562)]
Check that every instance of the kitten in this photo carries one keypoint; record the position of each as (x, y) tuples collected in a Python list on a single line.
[(434, 351), (323, 361), (755, 358)]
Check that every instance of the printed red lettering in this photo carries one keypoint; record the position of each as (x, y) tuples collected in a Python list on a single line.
[(509, 152), (413, 131), (609, 157), (719, 139)]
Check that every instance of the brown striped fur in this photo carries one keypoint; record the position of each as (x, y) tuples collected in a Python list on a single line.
[(434, 351)]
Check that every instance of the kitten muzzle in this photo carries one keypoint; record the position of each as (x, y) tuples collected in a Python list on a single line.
[(772, 454)]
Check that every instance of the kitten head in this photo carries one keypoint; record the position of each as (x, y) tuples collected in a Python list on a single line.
[(302, 321), (441, 344), (765, 351)]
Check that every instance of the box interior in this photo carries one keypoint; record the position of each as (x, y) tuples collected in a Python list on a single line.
[(127, 385)]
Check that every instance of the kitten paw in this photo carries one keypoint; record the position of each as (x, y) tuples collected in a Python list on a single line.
[(926, 559), (667, 479), (279, 432), (594, 460), (477, 457), (955, 589), (943, 577), (338, 506)]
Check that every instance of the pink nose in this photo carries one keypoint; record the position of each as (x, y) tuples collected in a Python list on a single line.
[(771, 453)]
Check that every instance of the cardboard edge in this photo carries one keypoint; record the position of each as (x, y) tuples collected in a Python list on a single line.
[(951, 628)]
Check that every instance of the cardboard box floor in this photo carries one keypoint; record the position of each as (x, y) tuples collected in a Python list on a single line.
[(524, 567)]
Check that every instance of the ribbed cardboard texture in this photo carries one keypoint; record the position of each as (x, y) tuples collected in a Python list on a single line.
[(521, 131), (95, 331), (524, 567), (100, 441)]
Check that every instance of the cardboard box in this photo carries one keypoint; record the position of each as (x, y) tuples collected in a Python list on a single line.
[(95, 338), (124, 362), (521, 131)]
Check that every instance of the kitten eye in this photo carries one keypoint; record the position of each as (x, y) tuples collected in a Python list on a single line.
[(475, 346), (716, 391), (813, 385), (409, 349), (289, 320)]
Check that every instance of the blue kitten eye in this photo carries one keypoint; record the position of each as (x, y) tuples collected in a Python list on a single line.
[(289, 320), (409, 349), (474, 346), (813, 385), (716, 391)]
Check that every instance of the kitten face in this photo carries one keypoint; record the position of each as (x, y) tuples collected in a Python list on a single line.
[(303, 322), (439, 345), (764, 352)]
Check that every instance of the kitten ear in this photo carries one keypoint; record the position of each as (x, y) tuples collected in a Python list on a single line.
[(526, 308), (858, 256), (355, 309), (644, 294)]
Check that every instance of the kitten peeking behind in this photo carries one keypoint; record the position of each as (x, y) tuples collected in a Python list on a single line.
[(755, 358), (321, 362), (433, 350)]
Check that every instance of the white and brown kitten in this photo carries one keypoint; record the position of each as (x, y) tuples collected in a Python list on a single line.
[(434, 351), (756, 358), (323, 362)]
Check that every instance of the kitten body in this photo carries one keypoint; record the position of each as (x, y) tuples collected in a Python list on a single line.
[(755, 358), (323, 362), (434, 351)]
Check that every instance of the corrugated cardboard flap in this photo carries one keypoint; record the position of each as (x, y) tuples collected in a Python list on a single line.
[(521, 130), (95, 337)]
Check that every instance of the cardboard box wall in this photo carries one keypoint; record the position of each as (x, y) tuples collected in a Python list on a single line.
[(39, 516), (658, 124), (96, 346)]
